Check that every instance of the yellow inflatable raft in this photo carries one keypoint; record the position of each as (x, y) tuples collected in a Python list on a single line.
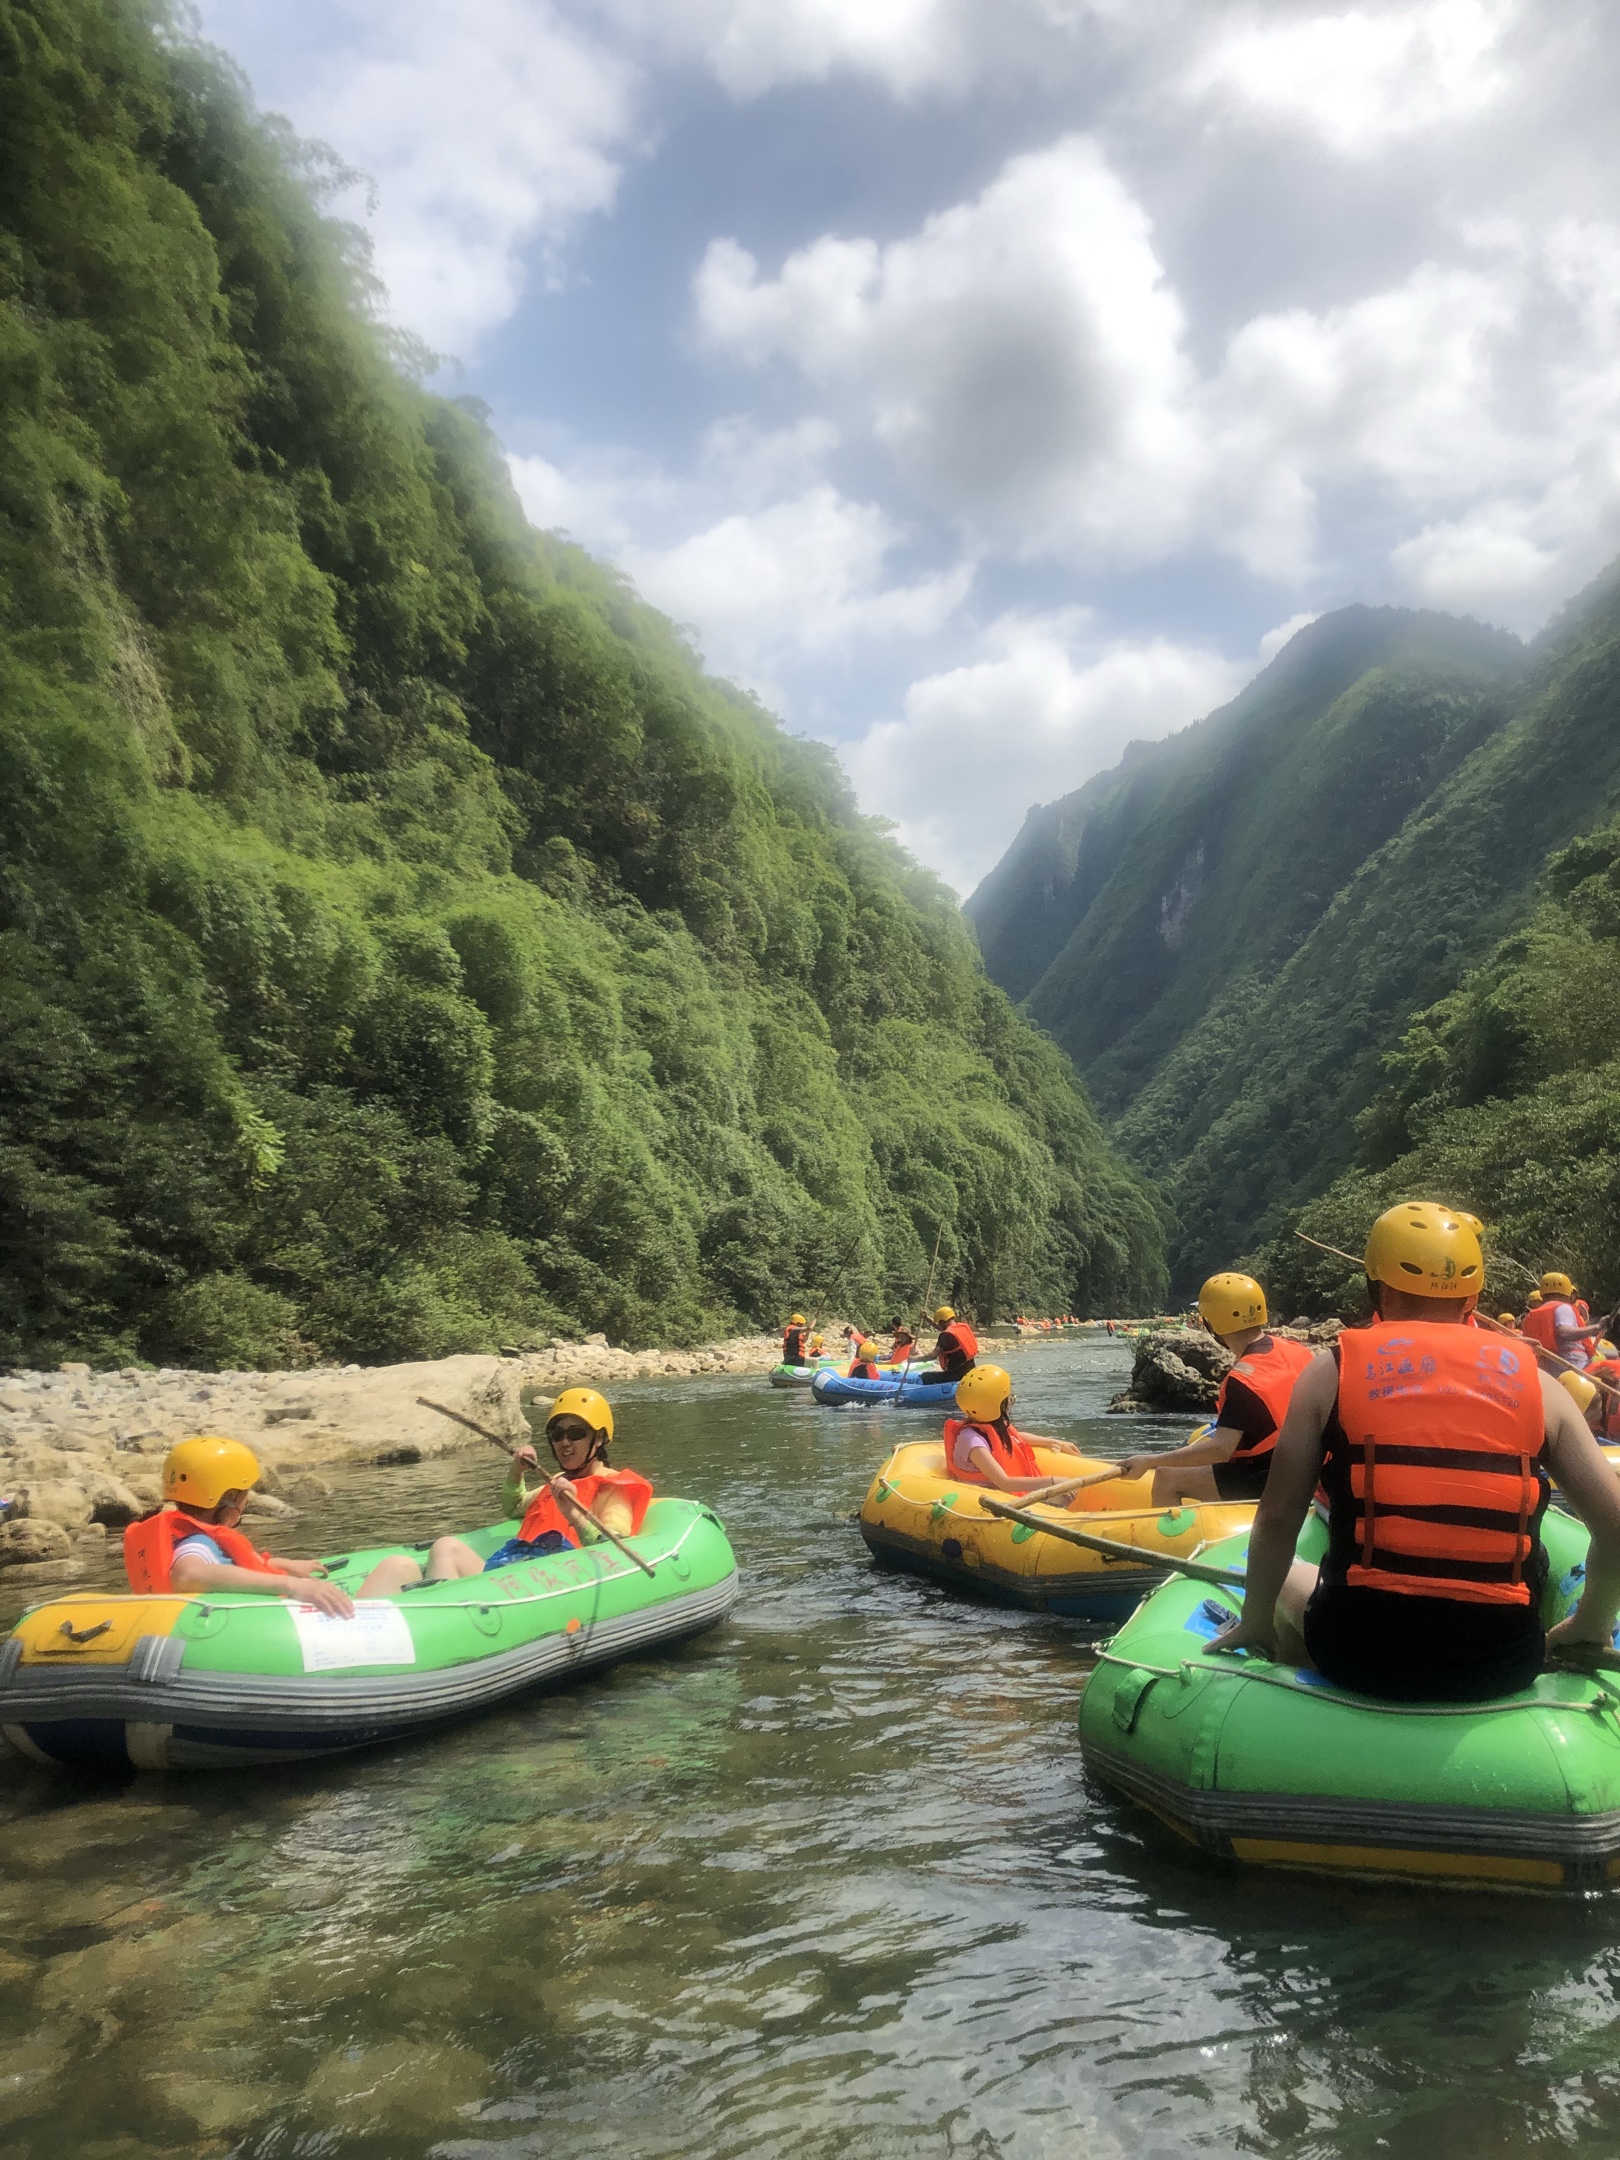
[(916, 1518)]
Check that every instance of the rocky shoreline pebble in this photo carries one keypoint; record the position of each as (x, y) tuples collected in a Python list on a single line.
[(81, 1450)]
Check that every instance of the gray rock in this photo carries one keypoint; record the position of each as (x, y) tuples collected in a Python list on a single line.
[(22, 1543)]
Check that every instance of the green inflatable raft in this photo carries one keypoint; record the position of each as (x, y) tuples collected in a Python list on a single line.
[(1264, 1764), (178, 1681)]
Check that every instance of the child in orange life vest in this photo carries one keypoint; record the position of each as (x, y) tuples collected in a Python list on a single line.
[(864, 1365), (983, 1446), (192, 1543), (572, 1508)]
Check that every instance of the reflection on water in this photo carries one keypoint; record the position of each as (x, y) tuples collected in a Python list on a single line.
[(826, 1882)]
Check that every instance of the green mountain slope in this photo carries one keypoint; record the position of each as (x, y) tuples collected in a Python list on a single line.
[(403, 944), (1361, 847), (1503, 1097)]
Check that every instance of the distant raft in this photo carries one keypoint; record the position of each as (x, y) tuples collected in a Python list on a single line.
[(906, 1391), (800, 1375), (918, 1519), (1276, 1767), (189, 1682)]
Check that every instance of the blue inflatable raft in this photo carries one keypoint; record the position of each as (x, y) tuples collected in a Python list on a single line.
[(837, 1392)]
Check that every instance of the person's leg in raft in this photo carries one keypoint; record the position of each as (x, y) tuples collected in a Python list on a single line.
[(449, 1560), (1291, 1603), (1192, 1481)]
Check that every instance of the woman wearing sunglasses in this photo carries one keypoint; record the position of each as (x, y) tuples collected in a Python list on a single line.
[(584, 1497)]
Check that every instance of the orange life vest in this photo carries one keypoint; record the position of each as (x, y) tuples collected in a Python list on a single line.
[(957, 1340), (544, 1514), (149, 1547), (1445, 1434), (1540, 1323), (793, 1345), (1015, 1454), (1270, 1374), (864, 1370)]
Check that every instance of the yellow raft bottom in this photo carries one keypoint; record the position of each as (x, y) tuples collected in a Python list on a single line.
[(915, 1516)]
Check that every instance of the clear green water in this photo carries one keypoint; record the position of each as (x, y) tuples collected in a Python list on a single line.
[(828, 1881)]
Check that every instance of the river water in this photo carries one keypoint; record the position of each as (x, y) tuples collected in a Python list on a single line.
[(827, 1881)]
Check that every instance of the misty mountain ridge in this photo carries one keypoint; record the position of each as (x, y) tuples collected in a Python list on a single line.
[(1232, 928)]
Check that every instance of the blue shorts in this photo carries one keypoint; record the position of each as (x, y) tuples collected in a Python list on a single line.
[(515, 1549)]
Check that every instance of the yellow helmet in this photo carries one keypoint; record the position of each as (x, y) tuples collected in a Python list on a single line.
[(1508, 1319), (1583, 1391), (1554, 1284), (585, 1404), (984, 1392), (1425, 1250), (1229, 1302), (201, 1472), (1606, 1349), (944, 1315), (1532, 1301), (797, 1319)]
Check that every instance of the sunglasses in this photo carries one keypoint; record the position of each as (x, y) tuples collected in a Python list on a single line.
[(569, 1435)]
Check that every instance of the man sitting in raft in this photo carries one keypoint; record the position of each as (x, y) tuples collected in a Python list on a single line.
[(192, 1543), (793, 1352), (573, 1507), (1231, 1462), (955, 1350), (984, 1447), (1434, 1440)]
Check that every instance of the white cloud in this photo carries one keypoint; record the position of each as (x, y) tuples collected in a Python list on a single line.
[(1020, 358), (789, 577), (751, 46), (806, 576), (490, 130), (1274, 640), (1361, 77), (1024, 363), (1047, 706)]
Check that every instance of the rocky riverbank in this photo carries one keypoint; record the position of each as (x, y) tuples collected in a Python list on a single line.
[(1180, 1369), (81, 1451)]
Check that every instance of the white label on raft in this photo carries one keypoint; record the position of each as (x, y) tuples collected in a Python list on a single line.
[(379, 1634)]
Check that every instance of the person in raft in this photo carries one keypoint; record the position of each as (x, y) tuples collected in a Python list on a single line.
[(1230, 1463), (864, 1365), (955, 1350), (1433, 1440), (905, 1343), (984, 1447), (585, 1497), (192, 1542), (793, 1340), (1560, 1322)]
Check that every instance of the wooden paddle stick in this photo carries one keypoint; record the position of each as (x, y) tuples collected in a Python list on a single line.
[(1199, 1570), (505, 1447), (1078, 1484)]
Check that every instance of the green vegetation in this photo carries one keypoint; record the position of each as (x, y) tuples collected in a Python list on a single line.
[(404, 946), (1262, 905), (1505, 1098)]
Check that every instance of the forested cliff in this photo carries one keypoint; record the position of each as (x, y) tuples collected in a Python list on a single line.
[(1234, 932), (404, 945)]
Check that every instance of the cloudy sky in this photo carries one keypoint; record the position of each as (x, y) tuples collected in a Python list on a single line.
[(989, 382)]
